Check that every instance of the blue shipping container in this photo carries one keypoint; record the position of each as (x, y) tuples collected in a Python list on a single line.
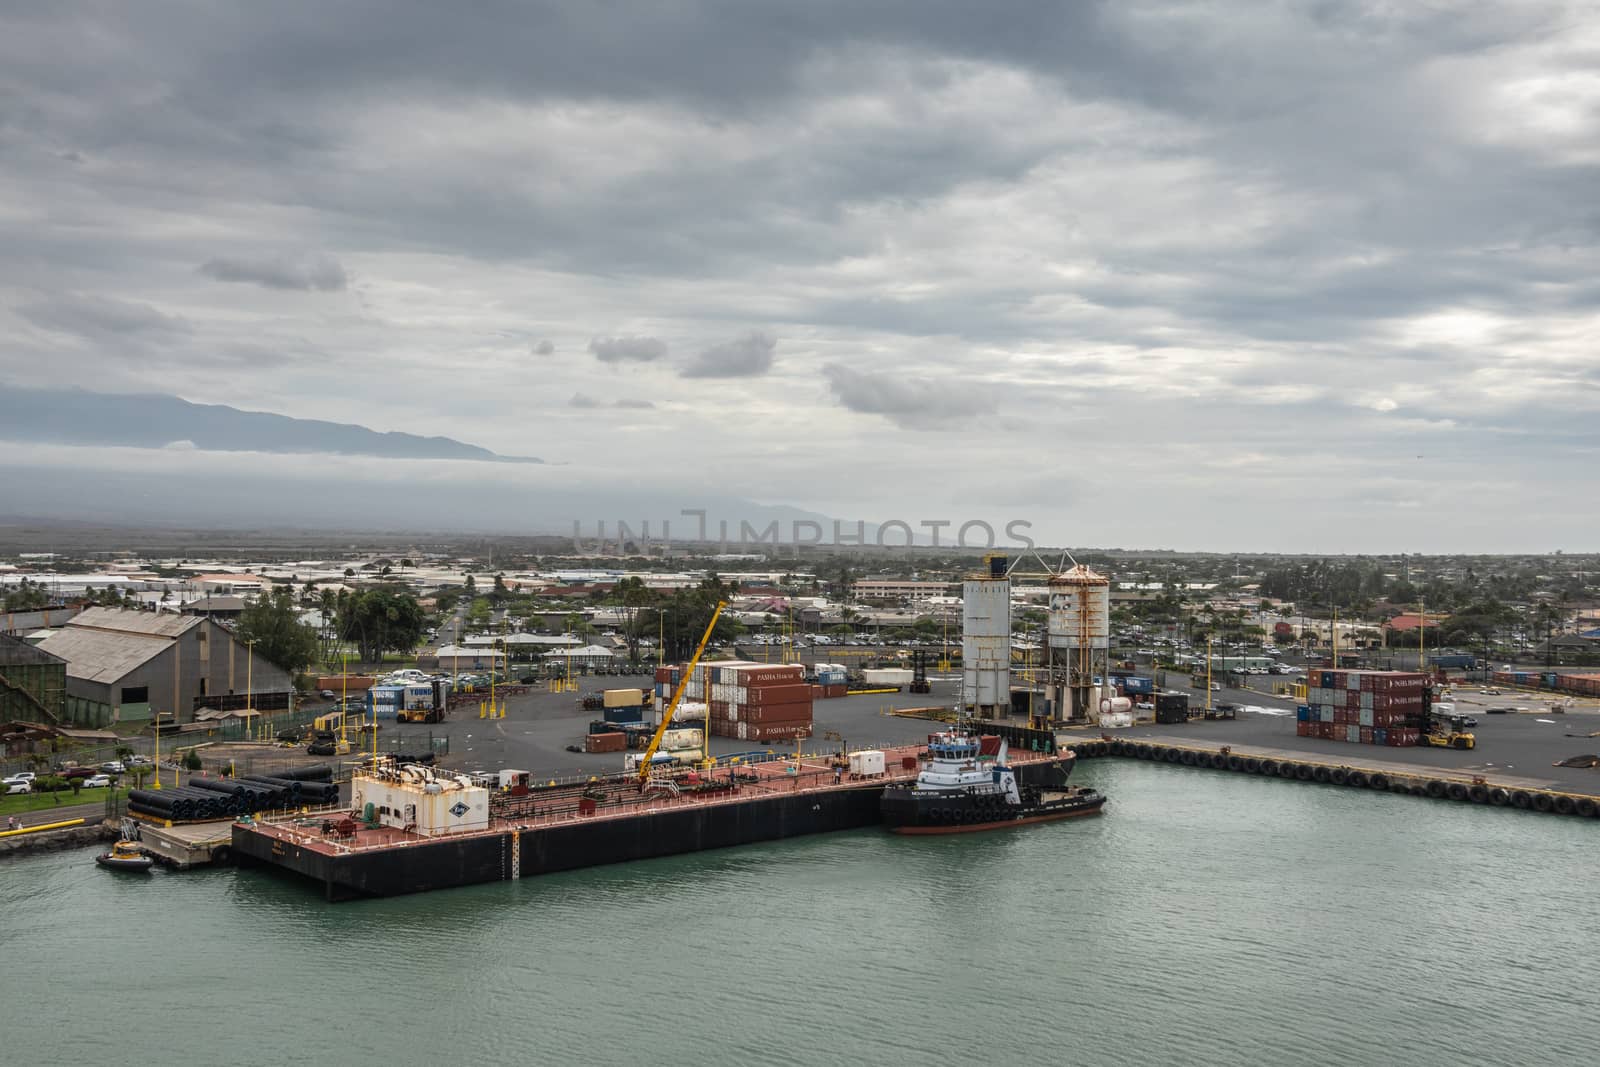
[(633, 714), (1302, 714), (1136, 684)]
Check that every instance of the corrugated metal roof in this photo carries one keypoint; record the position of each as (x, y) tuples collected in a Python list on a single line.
[(120, 620), (15, 652), (101, 655)]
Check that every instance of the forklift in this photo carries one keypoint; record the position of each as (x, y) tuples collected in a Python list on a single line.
[(1444, 730), (919, 668)]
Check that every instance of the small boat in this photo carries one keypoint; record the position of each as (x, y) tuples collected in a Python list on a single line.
[(961, 791), (125, 856)]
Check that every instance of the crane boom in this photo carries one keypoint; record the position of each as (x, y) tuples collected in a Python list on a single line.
[(677, 695)]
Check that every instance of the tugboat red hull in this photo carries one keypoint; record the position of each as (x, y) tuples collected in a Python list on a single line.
[(967, 828)]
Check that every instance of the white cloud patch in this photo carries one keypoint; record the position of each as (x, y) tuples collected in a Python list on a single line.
[(749, 356), (911, 403), (627, 349)]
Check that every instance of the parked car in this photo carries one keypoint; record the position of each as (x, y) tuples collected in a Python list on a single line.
[(20, 776), (18, 787), (114, 766), (98, 781), (138, 761)]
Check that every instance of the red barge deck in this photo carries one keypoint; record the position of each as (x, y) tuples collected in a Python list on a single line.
[(556, 827)]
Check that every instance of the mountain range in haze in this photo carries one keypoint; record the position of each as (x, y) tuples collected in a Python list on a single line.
[(81, 417)]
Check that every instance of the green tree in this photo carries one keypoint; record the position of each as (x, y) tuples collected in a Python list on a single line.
[(382, 620), (273, 624)]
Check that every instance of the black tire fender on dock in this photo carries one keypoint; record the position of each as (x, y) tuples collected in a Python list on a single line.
[(1269, 766), (1302, 772), (1564, 804), (1478, 794), (1286, 770), (1174, 755), (1338, 776), (1218, 761), (1115, 747), (1252, 766), (1379, 781), (1521, 799), (1234, 763), (1152, 752), (1397, 786), (1437, 789), (1319, 773), (1586, 807), (1543, 802), (1357, 779), (1499, 797), (1456, 791), (1186, 758), (1420, 791)]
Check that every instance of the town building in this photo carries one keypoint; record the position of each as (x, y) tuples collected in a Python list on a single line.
[(129, 666)]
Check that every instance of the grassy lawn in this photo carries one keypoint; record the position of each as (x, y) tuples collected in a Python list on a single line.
[(24, 803)]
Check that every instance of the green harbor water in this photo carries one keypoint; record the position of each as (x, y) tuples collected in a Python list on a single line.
[(1206, 918)]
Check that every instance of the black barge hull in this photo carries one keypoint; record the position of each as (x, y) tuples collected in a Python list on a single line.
[(422, 865)]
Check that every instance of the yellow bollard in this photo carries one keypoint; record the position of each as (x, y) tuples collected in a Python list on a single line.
[(481, 712)]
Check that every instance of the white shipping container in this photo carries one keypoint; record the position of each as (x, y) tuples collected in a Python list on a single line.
[(888, 676), (868, 762)]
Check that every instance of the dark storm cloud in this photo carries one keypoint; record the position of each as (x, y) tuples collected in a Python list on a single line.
[(308, 273), (912, 403), (627, 349), (101, 317), (749, 356)]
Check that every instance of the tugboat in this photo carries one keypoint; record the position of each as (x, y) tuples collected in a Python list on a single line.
[(959, 791), (125, 854)]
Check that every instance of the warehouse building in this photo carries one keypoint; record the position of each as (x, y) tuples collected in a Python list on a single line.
[(33, 683), (126, 666)]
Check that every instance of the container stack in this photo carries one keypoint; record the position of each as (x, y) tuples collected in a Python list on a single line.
[(1364, 707), (831, 681), (750, 701), (624, 705), (1586, 684)]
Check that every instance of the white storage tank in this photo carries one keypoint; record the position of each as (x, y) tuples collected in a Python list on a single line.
[(986, 641)]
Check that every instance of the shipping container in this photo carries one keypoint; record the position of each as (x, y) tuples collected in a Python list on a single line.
[(623, 698)]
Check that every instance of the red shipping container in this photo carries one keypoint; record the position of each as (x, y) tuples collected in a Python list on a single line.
[(1328, 729), (777, 713), (1366, 735), (774, 694), (836, 690), (1303, 729)]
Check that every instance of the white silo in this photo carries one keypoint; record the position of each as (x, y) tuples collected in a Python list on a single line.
[(1079, 642), (986, 641)]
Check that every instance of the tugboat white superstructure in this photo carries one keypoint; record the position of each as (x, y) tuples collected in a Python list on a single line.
[(961, 790)]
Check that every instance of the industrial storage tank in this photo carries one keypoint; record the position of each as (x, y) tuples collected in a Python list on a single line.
[(1079, 640), (986, 640), (1080, 609)]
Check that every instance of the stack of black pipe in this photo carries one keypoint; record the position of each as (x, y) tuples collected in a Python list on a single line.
[(316, 772), (299, 792), (402, 759), (223, 798), (187, 802), (252, 796)]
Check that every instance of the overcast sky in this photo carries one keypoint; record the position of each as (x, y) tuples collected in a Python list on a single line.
[(1295, 276)]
